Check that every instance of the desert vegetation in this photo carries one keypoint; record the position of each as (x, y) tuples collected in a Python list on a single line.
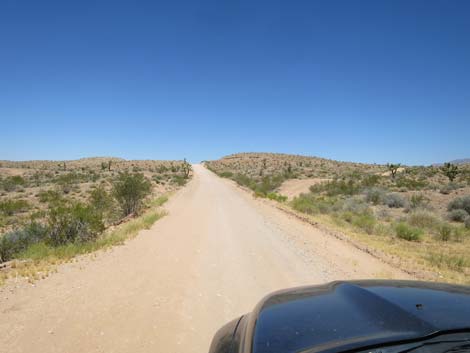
[(62, 208), (418, 216)]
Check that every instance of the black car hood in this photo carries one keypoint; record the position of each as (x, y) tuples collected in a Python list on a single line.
[(343, 316)]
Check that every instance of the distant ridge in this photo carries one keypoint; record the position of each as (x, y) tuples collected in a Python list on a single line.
[(461, 161), (456, 161)]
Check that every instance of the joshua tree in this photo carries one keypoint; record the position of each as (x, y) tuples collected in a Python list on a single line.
[(186, 168), (450, 171), (393, 168), (109, 165)]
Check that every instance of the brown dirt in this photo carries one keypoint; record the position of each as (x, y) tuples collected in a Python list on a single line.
[(168, 290), (294, 187)]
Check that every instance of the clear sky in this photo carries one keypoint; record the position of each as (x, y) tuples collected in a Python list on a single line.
[(370, 81)]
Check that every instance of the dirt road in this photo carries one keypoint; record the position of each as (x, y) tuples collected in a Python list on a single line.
[(211, 259)]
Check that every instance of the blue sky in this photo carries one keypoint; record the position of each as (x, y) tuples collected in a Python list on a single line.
[(370, 81)]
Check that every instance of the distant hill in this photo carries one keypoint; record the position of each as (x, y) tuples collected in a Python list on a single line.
[(461, 161), (456, 161), (256, 165)]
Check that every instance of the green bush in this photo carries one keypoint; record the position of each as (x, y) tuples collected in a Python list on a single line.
[(445, 232), (423, 219), (394, 200), (371, 180), (179, 180), (337, 187), (365, 222), (68, 223), (49, 196), (411, 184), (226, 174), (268, 184), (308, 203), (454, 262), (375, 195), (347, 216), (67, 181), (129, 190), (354, 205), (458, 215), (14, 242), (11, 183), (276, 197), (11, 207), (467, 222), (244, 180), (407, 232), (447, 189), (102, 202), (418, 201), (460, 203)]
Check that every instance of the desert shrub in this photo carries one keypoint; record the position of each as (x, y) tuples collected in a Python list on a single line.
[(448, 188), (49, 196), (102, 202), (276, 197), (460, 203), (355, 205), (375, 195), (67, 181), (410, 183), (445, 232), (467, 222), (268, 184), (226, 174), (17, 241), (310, 204), (383, 214), (407, 232), (244, 180), (383, 229), (337, 187), (261, 188), (457, 215), (68, 223), (365, 222), (11, 183), (179, 180), (347, 216), (418, 201), (423, 219), (454, 262), (394, 200), (371, 180), (129, 190), (158, 179), (11, 207)]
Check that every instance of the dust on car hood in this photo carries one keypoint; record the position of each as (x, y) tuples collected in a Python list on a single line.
[(348, 315)]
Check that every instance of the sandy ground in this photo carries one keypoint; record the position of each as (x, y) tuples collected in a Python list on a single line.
[(294, 187), (216, 254)]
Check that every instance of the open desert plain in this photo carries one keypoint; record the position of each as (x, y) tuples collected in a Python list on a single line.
[(218, 246)]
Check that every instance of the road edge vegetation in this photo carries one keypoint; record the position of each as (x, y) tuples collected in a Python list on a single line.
[(420, 244)]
